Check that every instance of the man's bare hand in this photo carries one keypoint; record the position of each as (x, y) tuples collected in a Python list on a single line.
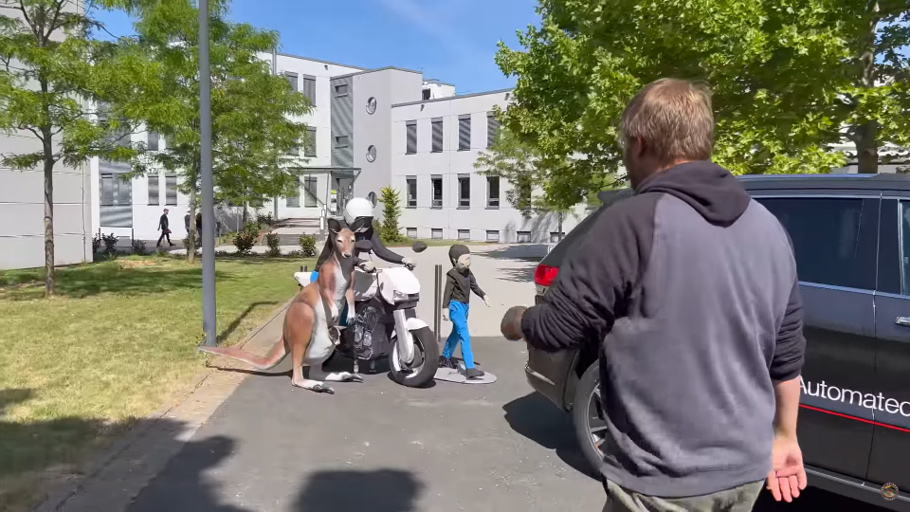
[(788, 475)]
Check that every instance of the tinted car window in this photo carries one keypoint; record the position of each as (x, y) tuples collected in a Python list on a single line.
[(834, 239)]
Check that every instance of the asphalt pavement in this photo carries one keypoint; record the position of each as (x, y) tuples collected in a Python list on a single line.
[(380, 447)]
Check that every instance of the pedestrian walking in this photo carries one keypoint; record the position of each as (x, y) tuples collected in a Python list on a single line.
[(199, 224), (164, 227), (690, 287)]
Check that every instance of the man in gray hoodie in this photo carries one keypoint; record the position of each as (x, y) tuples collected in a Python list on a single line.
[(691, 288)]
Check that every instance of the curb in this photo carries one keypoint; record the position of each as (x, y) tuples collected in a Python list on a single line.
[(61, 493)]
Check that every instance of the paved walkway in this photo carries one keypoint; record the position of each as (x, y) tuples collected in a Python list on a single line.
[(374, 446)]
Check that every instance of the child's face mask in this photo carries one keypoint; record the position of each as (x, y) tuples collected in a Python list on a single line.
[(463, 263)]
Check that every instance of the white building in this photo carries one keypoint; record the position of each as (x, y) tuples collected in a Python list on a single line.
[(22, 204), (372, 128)]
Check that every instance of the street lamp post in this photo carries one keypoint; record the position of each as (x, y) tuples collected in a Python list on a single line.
[(208, 196)]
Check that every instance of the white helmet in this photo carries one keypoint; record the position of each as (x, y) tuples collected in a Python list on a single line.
[(358, 214)]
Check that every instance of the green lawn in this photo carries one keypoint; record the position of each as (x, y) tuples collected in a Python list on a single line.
[(117, 342)]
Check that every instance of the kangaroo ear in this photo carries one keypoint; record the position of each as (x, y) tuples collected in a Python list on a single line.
[(334, 225)]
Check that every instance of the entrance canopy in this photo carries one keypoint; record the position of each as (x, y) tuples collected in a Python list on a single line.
[(340, 187)]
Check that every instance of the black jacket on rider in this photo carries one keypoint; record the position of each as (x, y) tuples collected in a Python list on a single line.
[(379, 249)]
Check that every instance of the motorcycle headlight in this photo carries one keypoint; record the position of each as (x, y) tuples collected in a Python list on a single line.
[(400, 297)]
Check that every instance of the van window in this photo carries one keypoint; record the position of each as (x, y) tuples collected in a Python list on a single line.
[(905, 247), (834, 239)]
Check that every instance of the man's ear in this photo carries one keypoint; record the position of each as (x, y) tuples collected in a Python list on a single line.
[(334, 225)]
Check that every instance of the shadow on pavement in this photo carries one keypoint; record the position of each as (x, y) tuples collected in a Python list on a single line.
[(534, 417), (384, 490), (182, 484)]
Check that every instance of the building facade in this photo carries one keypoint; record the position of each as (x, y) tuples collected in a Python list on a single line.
[(368, 129), (22, 204)]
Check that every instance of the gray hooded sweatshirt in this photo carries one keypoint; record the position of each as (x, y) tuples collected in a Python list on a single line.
[(690, 289)]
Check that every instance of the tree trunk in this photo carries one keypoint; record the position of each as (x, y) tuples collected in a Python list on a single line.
[(559, 217), (50, 279), (867, 147), (867, 132), (191, 245)]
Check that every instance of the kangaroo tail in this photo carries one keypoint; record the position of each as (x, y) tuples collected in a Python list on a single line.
[(271, 360)]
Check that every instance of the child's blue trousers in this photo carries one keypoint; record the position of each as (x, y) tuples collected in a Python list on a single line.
[(458, 313)]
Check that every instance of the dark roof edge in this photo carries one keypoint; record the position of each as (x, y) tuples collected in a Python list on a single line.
[(365, 71), (455, 97), (301, 57)]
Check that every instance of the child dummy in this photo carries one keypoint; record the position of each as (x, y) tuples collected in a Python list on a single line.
[(460, 283)]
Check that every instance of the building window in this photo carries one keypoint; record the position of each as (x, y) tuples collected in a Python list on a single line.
[(493, 235), (341, 90), (464, 132), (524, 237), (309, 89), (412, 232), (436, 234), (436, 181), (309, 191), (464, 191), (492, 129), (556, 237), (292, 80), (492, 191), (426, 94), (170, 190), (437, 135), (115, 191), (154, 192), (309, 145), (412, 191), (295, 149), (371, 154), (342, 141), (412, 137), (371, 106), (464, 235), (152, 141), (293, 199)]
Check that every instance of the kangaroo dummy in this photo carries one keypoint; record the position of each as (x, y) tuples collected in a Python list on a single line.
[(313, 312)]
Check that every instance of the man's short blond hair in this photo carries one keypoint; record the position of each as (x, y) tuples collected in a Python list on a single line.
[(673, 118)]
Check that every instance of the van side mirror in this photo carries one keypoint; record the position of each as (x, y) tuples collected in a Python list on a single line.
[(419, 246), (371, 197)]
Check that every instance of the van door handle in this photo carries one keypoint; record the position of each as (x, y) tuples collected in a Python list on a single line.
[(903, 321)]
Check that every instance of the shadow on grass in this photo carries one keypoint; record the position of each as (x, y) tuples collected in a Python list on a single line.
[(48, 460), (237, 321), (109, 277)]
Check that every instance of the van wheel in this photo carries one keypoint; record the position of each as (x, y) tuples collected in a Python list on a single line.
[(589, 419)]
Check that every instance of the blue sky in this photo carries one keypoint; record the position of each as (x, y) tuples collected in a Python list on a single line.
[(451, 40)]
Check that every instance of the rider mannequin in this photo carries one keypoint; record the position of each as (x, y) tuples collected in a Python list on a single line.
[(358, 215)]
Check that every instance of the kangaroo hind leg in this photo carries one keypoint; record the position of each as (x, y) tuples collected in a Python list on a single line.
[(298, 332)]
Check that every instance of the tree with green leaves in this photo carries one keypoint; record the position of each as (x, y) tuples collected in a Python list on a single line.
[(527, 169), (790, 79), (391, 212), (52, 73), (255, 114)]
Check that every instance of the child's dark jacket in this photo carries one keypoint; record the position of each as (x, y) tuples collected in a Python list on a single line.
[(459, 286)]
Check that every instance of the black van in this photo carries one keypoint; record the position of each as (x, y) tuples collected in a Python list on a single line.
[(851, 236)]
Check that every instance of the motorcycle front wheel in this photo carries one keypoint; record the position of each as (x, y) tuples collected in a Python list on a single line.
[(426, 360)]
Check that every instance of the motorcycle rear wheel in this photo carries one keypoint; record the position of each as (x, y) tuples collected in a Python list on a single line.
[(426, 355)]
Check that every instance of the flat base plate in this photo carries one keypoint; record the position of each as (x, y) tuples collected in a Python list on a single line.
[(453, 375)]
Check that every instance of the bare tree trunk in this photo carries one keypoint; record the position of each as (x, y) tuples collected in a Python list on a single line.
[(559, 217), (191, 242), (50, 279), (867, 132)]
